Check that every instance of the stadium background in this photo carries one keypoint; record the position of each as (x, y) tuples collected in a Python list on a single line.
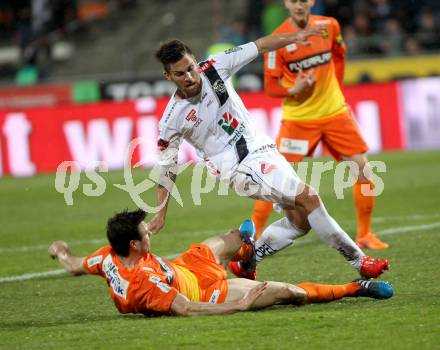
[(78, 81)]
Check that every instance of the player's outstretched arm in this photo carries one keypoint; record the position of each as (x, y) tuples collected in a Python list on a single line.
[(277, 41), (71, 263), (158, 221), (183, 307)]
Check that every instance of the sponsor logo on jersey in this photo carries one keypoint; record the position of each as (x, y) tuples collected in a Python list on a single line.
[(233, 49), (219, 86), (292, 146), (232, 127), (206, 65), (291, 47), (162, 144), (191, 117), (321, 22), (94, 261), (271, 60), (310, 62), (116, 282), (266, 168), (158, 282), (228, 123), (169, 272), (214, 296)]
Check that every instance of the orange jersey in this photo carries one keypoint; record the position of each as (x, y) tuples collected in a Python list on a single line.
[(151, 286), (325, 56)]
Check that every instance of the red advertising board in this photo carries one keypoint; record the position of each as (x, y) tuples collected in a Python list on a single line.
[(38, 140)]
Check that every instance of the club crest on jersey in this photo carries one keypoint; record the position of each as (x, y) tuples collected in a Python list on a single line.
[(325, 34), (228, 123), (219, 86), (339, 40)]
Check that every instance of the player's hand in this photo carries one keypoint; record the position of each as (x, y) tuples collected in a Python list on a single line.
[(302, 82), (248, 300), (56, 248), (302, 35), (156, 224)]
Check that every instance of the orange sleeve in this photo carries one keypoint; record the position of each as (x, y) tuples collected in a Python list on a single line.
[(338, 52), (273, 70), (93, 263), (154, 295)]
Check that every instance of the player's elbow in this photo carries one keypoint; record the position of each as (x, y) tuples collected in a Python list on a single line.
[(181, 306), (182, 310), (74, 270)]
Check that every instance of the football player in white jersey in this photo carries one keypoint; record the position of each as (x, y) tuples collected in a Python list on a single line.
[(207, 112)]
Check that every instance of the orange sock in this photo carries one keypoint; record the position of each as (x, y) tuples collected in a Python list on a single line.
[(244, 253), (262, 211), (364, 207), (321, 293)]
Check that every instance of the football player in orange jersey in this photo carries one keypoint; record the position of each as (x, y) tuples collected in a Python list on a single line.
[(314, 109), (195, 283)]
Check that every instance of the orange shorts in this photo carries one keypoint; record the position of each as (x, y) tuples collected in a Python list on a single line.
[(339, 134), (211, 276)]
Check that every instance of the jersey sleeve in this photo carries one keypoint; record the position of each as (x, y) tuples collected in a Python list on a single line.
[(156, 296), (338, 52), (170, 138), (273, 63), (231, 61), (93, 263), (273, 71)]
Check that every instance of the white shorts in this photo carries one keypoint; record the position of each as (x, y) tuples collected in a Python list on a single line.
[(267, 176)]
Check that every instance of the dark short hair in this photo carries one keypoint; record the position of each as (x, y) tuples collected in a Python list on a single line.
[(123, 228), (172, 51)]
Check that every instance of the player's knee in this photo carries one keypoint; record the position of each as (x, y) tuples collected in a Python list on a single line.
[(308, 200), (289, 293), (298, 295)]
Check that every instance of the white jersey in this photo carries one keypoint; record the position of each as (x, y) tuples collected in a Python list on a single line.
[(216, 121)]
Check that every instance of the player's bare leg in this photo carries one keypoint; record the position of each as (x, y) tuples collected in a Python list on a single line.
[(226, 246), (364, 204), (278, 293)]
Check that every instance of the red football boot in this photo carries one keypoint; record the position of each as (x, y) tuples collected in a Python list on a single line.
[(373, 268), (237, 270)]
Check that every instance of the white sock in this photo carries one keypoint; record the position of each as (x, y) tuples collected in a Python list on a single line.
[(275, 237), (330, 232)]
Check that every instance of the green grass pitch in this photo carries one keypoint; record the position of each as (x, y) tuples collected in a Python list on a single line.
[(62, 312)]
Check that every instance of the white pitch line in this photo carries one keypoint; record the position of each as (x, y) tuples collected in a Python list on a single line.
[(45, 246), (404, 229), (31, 276), (390, 231)]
